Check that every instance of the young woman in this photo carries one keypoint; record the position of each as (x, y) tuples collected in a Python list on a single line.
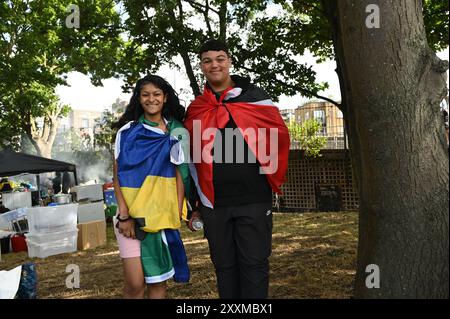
[(148, 183)]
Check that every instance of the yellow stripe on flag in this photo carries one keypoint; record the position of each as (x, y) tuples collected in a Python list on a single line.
[(156, 201)]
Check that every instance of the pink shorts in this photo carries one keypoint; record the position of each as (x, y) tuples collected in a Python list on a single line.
[(128, 247)]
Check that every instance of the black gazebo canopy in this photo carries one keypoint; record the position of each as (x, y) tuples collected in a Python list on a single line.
[(13, 163)]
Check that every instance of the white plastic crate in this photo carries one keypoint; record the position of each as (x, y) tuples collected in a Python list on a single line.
[(52, 219), (16, 200), (42, 245), (7, 219), (4, 225), (88, 192), (12, 215), (89, 212)]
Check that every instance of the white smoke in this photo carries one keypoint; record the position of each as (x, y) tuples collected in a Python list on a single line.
[(95, 174)]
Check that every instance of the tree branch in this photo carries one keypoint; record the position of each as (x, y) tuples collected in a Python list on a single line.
[(183, 52), (180, 10), (30, 127), (313, 7), (46, 129), (30, 130), (223, 21), (198, 6), (301, 90), (206, 15), (54, 123), (306, 91)]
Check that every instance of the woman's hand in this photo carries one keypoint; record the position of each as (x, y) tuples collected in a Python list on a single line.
[(195, 214), (126, 228)]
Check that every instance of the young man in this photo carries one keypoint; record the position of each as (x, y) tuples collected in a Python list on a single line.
[(233, 127)]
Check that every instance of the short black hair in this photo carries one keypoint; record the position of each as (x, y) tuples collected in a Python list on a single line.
[(213, 45)]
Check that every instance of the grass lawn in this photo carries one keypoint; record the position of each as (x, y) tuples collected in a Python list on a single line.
[(313, 256)]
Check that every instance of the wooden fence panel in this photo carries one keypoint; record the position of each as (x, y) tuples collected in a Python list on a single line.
[(309, 179)]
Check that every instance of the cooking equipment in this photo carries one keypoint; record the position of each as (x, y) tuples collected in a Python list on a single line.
[(62, 198)]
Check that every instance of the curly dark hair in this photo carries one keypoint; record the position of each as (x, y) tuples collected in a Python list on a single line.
[(172, 109)]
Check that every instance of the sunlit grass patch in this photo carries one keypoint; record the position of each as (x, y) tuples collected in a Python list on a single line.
[(313, 256)]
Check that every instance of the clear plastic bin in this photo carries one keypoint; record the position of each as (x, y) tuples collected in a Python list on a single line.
[(42, 245), (12, 215), (51, 219)]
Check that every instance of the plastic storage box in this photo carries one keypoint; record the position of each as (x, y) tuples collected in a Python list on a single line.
[(15, 200), (52, 218), (88, 192), (13, 215), (90, 212), (42, 245)]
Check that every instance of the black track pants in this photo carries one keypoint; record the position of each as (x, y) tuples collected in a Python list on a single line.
[(240, 243)]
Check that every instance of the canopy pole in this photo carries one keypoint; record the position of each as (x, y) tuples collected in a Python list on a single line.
[(75, 176), (38, 183)]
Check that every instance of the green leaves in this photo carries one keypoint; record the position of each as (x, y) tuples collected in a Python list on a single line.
[(263, 47), (37, 50), (307, 136), (103, 133), (435, 18)]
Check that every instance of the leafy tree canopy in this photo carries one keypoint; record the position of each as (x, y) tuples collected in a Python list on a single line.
[(264, 44), (38, 49)]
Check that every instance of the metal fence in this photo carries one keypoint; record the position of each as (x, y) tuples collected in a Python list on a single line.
[(328, 115), (334, 142)]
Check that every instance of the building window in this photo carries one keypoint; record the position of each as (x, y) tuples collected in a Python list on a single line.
[(319, 115), (84, 123)]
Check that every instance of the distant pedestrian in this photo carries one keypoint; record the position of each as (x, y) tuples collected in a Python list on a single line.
[(57, 183), (67, 182)]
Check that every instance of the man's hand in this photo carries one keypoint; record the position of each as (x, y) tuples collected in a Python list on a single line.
[(195, 214)]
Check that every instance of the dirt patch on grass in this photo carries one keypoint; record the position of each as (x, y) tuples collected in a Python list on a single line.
[(313, 256)]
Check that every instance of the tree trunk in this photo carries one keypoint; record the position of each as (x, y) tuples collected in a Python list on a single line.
[(223, 21), (45, 149), (177, 24), (190, 73), (392, 84), (43, 141)]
